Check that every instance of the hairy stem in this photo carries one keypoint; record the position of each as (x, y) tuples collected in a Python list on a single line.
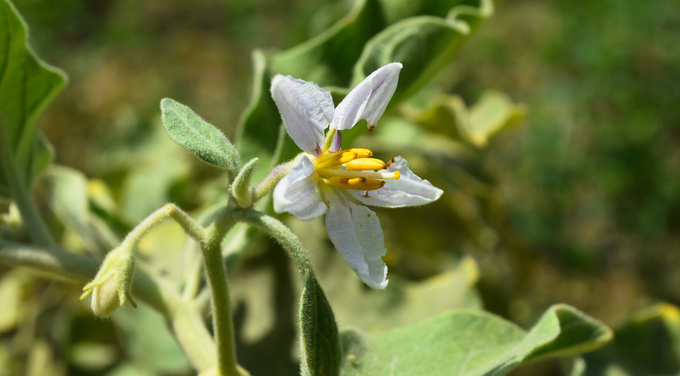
[(272, 179), (191, 227), (221, 307)]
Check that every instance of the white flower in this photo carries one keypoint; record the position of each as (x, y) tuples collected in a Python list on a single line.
[(338, 183)]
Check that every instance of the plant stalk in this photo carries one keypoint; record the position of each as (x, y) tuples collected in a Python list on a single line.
[(221, 306)]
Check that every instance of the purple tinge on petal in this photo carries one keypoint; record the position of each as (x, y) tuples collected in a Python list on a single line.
[(337, 142)]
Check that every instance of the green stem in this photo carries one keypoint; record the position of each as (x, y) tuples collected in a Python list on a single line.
[(272, 179), (221, 308), (191, 227), (30, 216)]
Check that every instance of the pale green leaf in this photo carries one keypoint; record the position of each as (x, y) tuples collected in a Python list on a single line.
[(68, 199), (198, 136), (471, 343)]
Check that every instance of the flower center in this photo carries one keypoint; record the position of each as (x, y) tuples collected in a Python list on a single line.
[(352, 169)]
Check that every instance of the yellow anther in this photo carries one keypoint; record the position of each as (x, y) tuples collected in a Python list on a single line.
[(347, 156), (362, 152), (369, 185), (359, 184), (397, 175), (355, 181), (365, 164), (336, 181)]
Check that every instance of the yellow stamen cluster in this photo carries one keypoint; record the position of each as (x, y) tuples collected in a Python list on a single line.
[(352, 169)]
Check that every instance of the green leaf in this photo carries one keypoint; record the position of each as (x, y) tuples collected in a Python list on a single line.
[(26, 86), (471, 343), (423, 44), (647, 344), (320, 341), (198, 136)]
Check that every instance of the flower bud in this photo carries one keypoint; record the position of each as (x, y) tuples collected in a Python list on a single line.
[(105, 298), (112, 285)]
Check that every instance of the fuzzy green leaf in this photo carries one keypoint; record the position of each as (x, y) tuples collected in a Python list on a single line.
[(26, 86), (471, 343), (319, 332), (198, 136)]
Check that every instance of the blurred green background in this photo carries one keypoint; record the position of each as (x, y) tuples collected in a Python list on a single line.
[(581, 202)]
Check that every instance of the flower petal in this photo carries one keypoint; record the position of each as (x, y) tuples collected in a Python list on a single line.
[(355, 231), (305, 108), (368, 99), (408, 190), (297, 194)]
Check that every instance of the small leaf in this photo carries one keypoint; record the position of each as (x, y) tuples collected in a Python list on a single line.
[(198, 136), (319, 332), (471, 343), (26, 86)]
